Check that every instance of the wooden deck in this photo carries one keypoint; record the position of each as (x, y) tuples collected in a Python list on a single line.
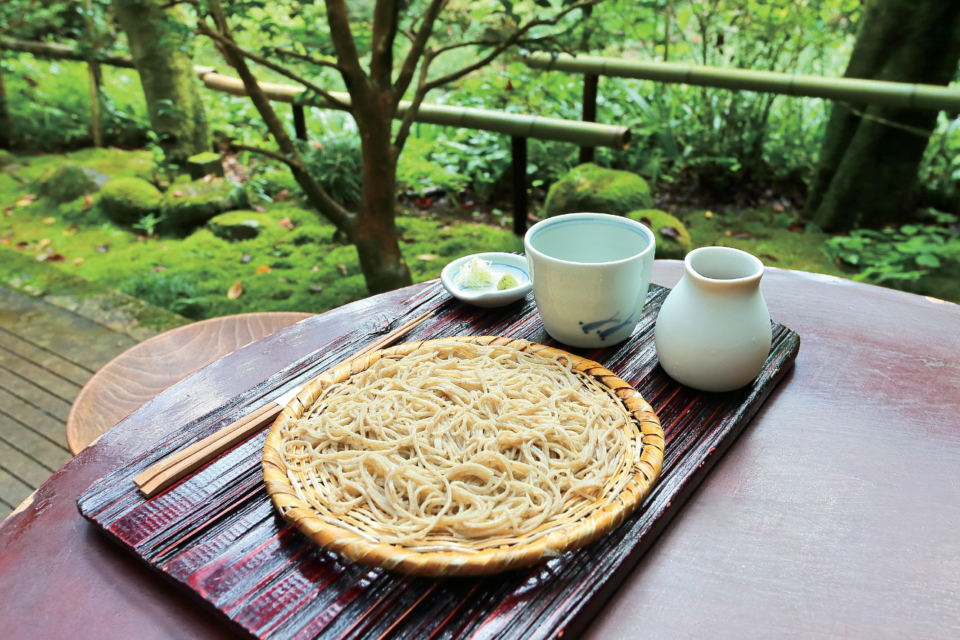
[(46, 356)]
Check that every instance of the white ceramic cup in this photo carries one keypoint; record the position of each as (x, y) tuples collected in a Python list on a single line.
[(590, 274)]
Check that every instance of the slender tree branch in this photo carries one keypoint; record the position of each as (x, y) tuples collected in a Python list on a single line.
[(416, 50), (267, 152), (306, 58), (330, 208), (404, 131), (353, 74), (203, 28), (506, 44)]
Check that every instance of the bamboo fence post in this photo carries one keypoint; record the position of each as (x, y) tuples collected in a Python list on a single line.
[(299, 122), (590, 83), (6, 122), (93, 71), (891, 94), (518, 155)]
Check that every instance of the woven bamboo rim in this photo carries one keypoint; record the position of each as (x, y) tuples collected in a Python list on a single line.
[(647, 436)]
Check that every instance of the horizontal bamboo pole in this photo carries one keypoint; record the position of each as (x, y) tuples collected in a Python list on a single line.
[(587, 134), (892, 94), (63, 52)]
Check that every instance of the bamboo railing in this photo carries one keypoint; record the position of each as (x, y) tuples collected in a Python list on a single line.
[(893, 94)]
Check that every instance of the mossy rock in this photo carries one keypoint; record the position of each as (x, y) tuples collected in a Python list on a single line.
[(673, 240), (84, 212), (127, 200), (68, 182), (239, 225), (190, 205), (276, 181), (592, 189), (204, 164), (7, 158)]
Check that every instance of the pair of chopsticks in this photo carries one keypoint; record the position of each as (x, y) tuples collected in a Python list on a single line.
[(179, 465)]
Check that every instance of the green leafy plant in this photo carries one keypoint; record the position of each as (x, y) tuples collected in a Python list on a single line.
[(899, 255), (175, 293), (149, 224)]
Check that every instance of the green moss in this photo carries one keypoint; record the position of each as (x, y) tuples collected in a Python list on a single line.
[(673, 240), (188, 205), (127, 200), (68, 182), (205, 157), (273, 182), (239, 225), (7, 158), (589, 188)]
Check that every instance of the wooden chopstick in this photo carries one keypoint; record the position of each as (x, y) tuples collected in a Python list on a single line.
[(177, 466)]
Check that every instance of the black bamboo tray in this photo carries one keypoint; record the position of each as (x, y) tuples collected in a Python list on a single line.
[(217, 536)]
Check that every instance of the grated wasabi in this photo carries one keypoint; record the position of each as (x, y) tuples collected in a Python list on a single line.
[(507, 282), (475, 274)]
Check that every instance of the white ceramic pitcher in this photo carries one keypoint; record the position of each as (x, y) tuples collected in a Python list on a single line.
[(713, 332)]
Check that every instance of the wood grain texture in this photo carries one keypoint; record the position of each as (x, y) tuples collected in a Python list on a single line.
[(862, 546), (154, 365), (216, 535)]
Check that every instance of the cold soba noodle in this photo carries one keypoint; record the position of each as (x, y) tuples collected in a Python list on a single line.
[(459, 446)]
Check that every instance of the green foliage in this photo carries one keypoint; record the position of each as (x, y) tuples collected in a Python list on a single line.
[(337, 164), (149, 224), (899, 256), (173, 292)]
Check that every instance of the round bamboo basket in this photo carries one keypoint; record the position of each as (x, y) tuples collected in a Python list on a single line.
[(643, 461)]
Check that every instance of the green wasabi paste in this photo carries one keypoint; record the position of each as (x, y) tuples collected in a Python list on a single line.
[(507, 282)]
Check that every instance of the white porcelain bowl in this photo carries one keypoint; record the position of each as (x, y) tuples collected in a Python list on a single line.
[(501, 264)]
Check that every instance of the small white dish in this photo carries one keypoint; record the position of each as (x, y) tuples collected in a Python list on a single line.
[(501, 264)]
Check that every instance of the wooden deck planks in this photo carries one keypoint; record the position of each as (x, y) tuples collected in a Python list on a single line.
[(47, 354)]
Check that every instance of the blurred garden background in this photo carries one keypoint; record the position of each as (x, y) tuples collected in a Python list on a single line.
[(227, 217)]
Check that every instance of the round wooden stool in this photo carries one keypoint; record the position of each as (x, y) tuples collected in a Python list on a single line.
[(154, 365)]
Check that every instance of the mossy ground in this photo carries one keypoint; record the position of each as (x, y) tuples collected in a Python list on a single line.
[(301, 269), (309, 270)]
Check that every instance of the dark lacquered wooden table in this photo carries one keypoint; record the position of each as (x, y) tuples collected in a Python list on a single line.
[(835, 514)]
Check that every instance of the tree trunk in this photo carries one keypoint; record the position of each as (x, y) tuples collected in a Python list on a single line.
[(376, 237), (159, 42), (868, 168)]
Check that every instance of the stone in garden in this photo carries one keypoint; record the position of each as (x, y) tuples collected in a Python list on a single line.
[(204, 164), (68, 182), (593, 189), (192, 204), (127, 200), (673, 239), (239, 225)]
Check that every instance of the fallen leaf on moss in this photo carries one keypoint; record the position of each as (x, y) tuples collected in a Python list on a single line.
[(728, 233), (282, 280), (778, 207), (259, 209), (55, 257), (771, 258), (245, 258), (69, 232), (796, 226), (77, 262), (669, 232), (314, 288), (8, 211), (87, 203), (158, 269), (21, 245), (708, 215), (286, 223), (315, 268), (42, 257), (6, 239), (280, 197), (178, 194), (141, 238), (235, 291), (645, 222), (342, 268), (207, 178), (49, 220), (427, 256), (43, 244), (26, 199), (316, 145), (742, 234), (264, 268), (102, 248)]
